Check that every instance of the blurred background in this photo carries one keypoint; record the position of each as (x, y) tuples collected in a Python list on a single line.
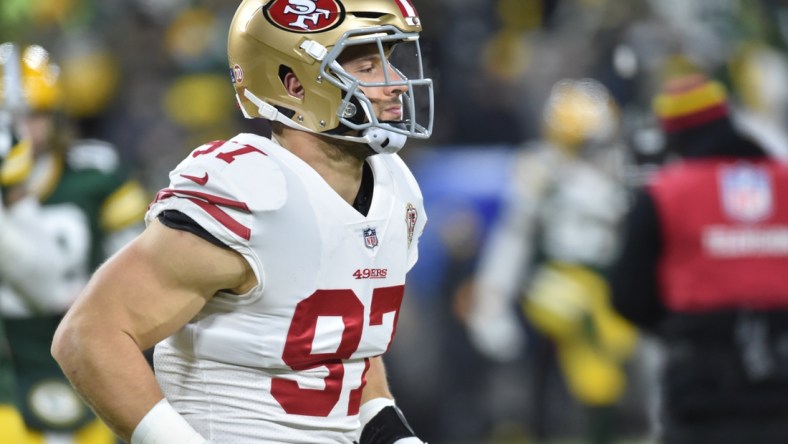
[(150, 77)]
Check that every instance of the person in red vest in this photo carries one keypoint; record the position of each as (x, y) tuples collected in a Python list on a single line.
[(704, 267)]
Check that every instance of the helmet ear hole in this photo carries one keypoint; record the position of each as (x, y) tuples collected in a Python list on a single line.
[(284, 70), (292, 85)]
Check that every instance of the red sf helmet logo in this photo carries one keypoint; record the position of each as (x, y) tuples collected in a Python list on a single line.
[(305, 16)]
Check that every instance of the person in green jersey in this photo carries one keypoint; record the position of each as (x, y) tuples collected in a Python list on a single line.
[(89, 206)]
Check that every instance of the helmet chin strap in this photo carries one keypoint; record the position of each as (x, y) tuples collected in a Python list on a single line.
[(384, 141), (381, 140)]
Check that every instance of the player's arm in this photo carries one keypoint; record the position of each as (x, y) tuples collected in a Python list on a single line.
[(503, 266), (381, 420), (140, 296)]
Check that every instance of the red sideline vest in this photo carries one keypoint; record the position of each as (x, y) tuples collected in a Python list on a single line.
[(724, 227)]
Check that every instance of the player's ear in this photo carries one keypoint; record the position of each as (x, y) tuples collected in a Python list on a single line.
[(293, 85)]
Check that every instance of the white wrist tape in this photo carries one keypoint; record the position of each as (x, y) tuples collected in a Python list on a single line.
[(163, 425), (372, 407)]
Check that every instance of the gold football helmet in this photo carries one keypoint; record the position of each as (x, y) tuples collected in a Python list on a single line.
[(268, 38), (40, 79), (30, 80), (579, 111)]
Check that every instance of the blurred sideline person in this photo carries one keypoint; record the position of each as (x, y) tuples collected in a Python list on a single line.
[(271, 273), (703, 268), (80, 205), (16, 160), (548, 251)]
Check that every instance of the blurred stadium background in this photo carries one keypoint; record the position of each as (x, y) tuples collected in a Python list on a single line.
[(150, 76)]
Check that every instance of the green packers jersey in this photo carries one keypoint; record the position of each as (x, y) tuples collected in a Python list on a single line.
[(92, 179), (87, 186)]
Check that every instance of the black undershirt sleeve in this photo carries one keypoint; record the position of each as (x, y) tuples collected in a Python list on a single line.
[(179, 221), (633, 279), (364, 197)]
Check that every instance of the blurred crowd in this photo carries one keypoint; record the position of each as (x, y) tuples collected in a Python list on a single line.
[(532, 96)]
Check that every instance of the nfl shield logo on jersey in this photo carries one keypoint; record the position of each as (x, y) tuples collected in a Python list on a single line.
[(746, 193), (370, 238)]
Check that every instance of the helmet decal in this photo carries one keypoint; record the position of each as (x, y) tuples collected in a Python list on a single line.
[(408, 11), (305, 16), (236, 74)]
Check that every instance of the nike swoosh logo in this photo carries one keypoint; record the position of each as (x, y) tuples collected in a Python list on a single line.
[(198, 180)]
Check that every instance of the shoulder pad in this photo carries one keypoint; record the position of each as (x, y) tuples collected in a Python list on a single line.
[(223, 186), (241, 171)]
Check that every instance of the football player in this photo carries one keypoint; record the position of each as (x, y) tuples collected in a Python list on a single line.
[(69, 203), (550, 247), (15, 161), (271, 272)]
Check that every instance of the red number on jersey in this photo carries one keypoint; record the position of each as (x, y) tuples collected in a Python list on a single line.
[(227, 156), (210, 147), (298, 349)]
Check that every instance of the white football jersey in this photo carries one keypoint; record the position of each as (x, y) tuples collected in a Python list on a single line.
[(286, 362)]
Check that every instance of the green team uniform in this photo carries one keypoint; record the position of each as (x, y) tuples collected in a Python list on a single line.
[(86, 187)]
